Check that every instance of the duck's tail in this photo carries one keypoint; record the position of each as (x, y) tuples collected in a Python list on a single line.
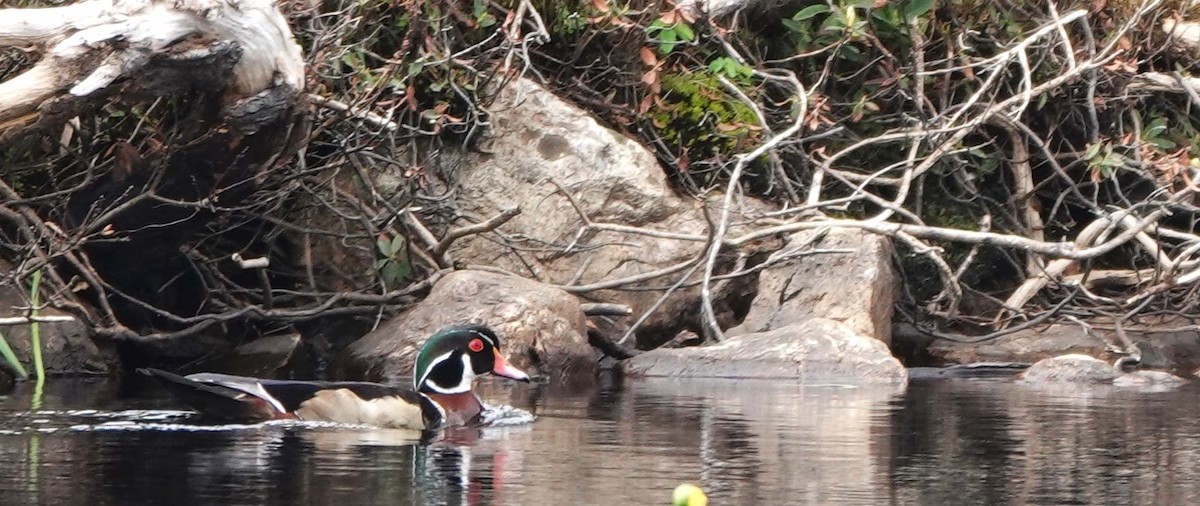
[(216, 400)]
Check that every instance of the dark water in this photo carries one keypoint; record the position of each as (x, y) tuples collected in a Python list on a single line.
[(746, 442)]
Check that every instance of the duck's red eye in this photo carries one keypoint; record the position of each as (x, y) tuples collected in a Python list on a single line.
[(476, 345)]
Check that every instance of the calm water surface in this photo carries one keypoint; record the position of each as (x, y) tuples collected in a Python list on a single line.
[(746, 442)]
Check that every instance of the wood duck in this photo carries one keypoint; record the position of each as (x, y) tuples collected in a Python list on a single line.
[(443, 375)]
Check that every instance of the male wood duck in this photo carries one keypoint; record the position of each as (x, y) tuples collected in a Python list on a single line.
[(443, 375)]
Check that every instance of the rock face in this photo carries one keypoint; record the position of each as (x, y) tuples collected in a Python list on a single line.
[(538, 144), (856, 288), (816, 350), (542, 329), (67, 349)]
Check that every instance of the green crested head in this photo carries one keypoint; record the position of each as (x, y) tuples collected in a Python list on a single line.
[(451, 359)]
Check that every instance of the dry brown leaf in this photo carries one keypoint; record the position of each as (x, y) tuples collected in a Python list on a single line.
[(645, 104), (650, 77), (648, 56)]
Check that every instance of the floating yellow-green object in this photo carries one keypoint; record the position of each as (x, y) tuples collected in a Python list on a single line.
[(688, 495)]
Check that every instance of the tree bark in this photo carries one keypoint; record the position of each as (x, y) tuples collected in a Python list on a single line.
[(97, 48)]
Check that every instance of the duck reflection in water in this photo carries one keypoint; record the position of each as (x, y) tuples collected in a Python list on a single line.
[(461, 465)]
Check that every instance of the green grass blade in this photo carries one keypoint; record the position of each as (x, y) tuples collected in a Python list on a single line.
[(35, 336), (11, 358)]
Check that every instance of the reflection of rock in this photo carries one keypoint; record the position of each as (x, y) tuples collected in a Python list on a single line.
[(538, 140), (66, 346), (816, 350), (1083, 369), (856, 288), (541, 328), (744, 442), (999, 443)]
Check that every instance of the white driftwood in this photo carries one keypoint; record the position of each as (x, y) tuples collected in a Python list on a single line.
[(715, 8), (1112, 277), (86, 47), (1185, 34)]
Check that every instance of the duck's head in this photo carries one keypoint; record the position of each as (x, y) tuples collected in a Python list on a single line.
[(452, 358), (688, 495)]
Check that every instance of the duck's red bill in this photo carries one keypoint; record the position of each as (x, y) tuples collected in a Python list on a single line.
[(501, 368)]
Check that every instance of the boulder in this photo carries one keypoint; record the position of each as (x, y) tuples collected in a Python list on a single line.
[(815, 350), (1073, 368), (539, 143), (857, 287), (542, 329), (1084, 369), (260, 358)]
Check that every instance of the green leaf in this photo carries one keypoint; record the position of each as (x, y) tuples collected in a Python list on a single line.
[(851, 53), (415, 68), (1092, 151), (685, 32), (1164, 144), (384, 246), (795, 26), (810, 12), (917, 8)]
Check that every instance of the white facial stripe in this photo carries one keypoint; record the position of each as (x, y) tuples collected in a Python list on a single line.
[(436, 360), (485, 337)]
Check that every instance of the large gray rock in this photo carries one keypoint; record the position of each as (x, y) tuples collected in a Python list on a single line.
[(538, 143), (816, 350), (1084, 369), (260, 358), (857, 288), (542, 329), (1073, 368)]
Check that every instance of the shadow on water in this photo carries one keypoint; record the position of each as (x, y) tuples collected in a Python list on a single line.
[(746, 442)]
